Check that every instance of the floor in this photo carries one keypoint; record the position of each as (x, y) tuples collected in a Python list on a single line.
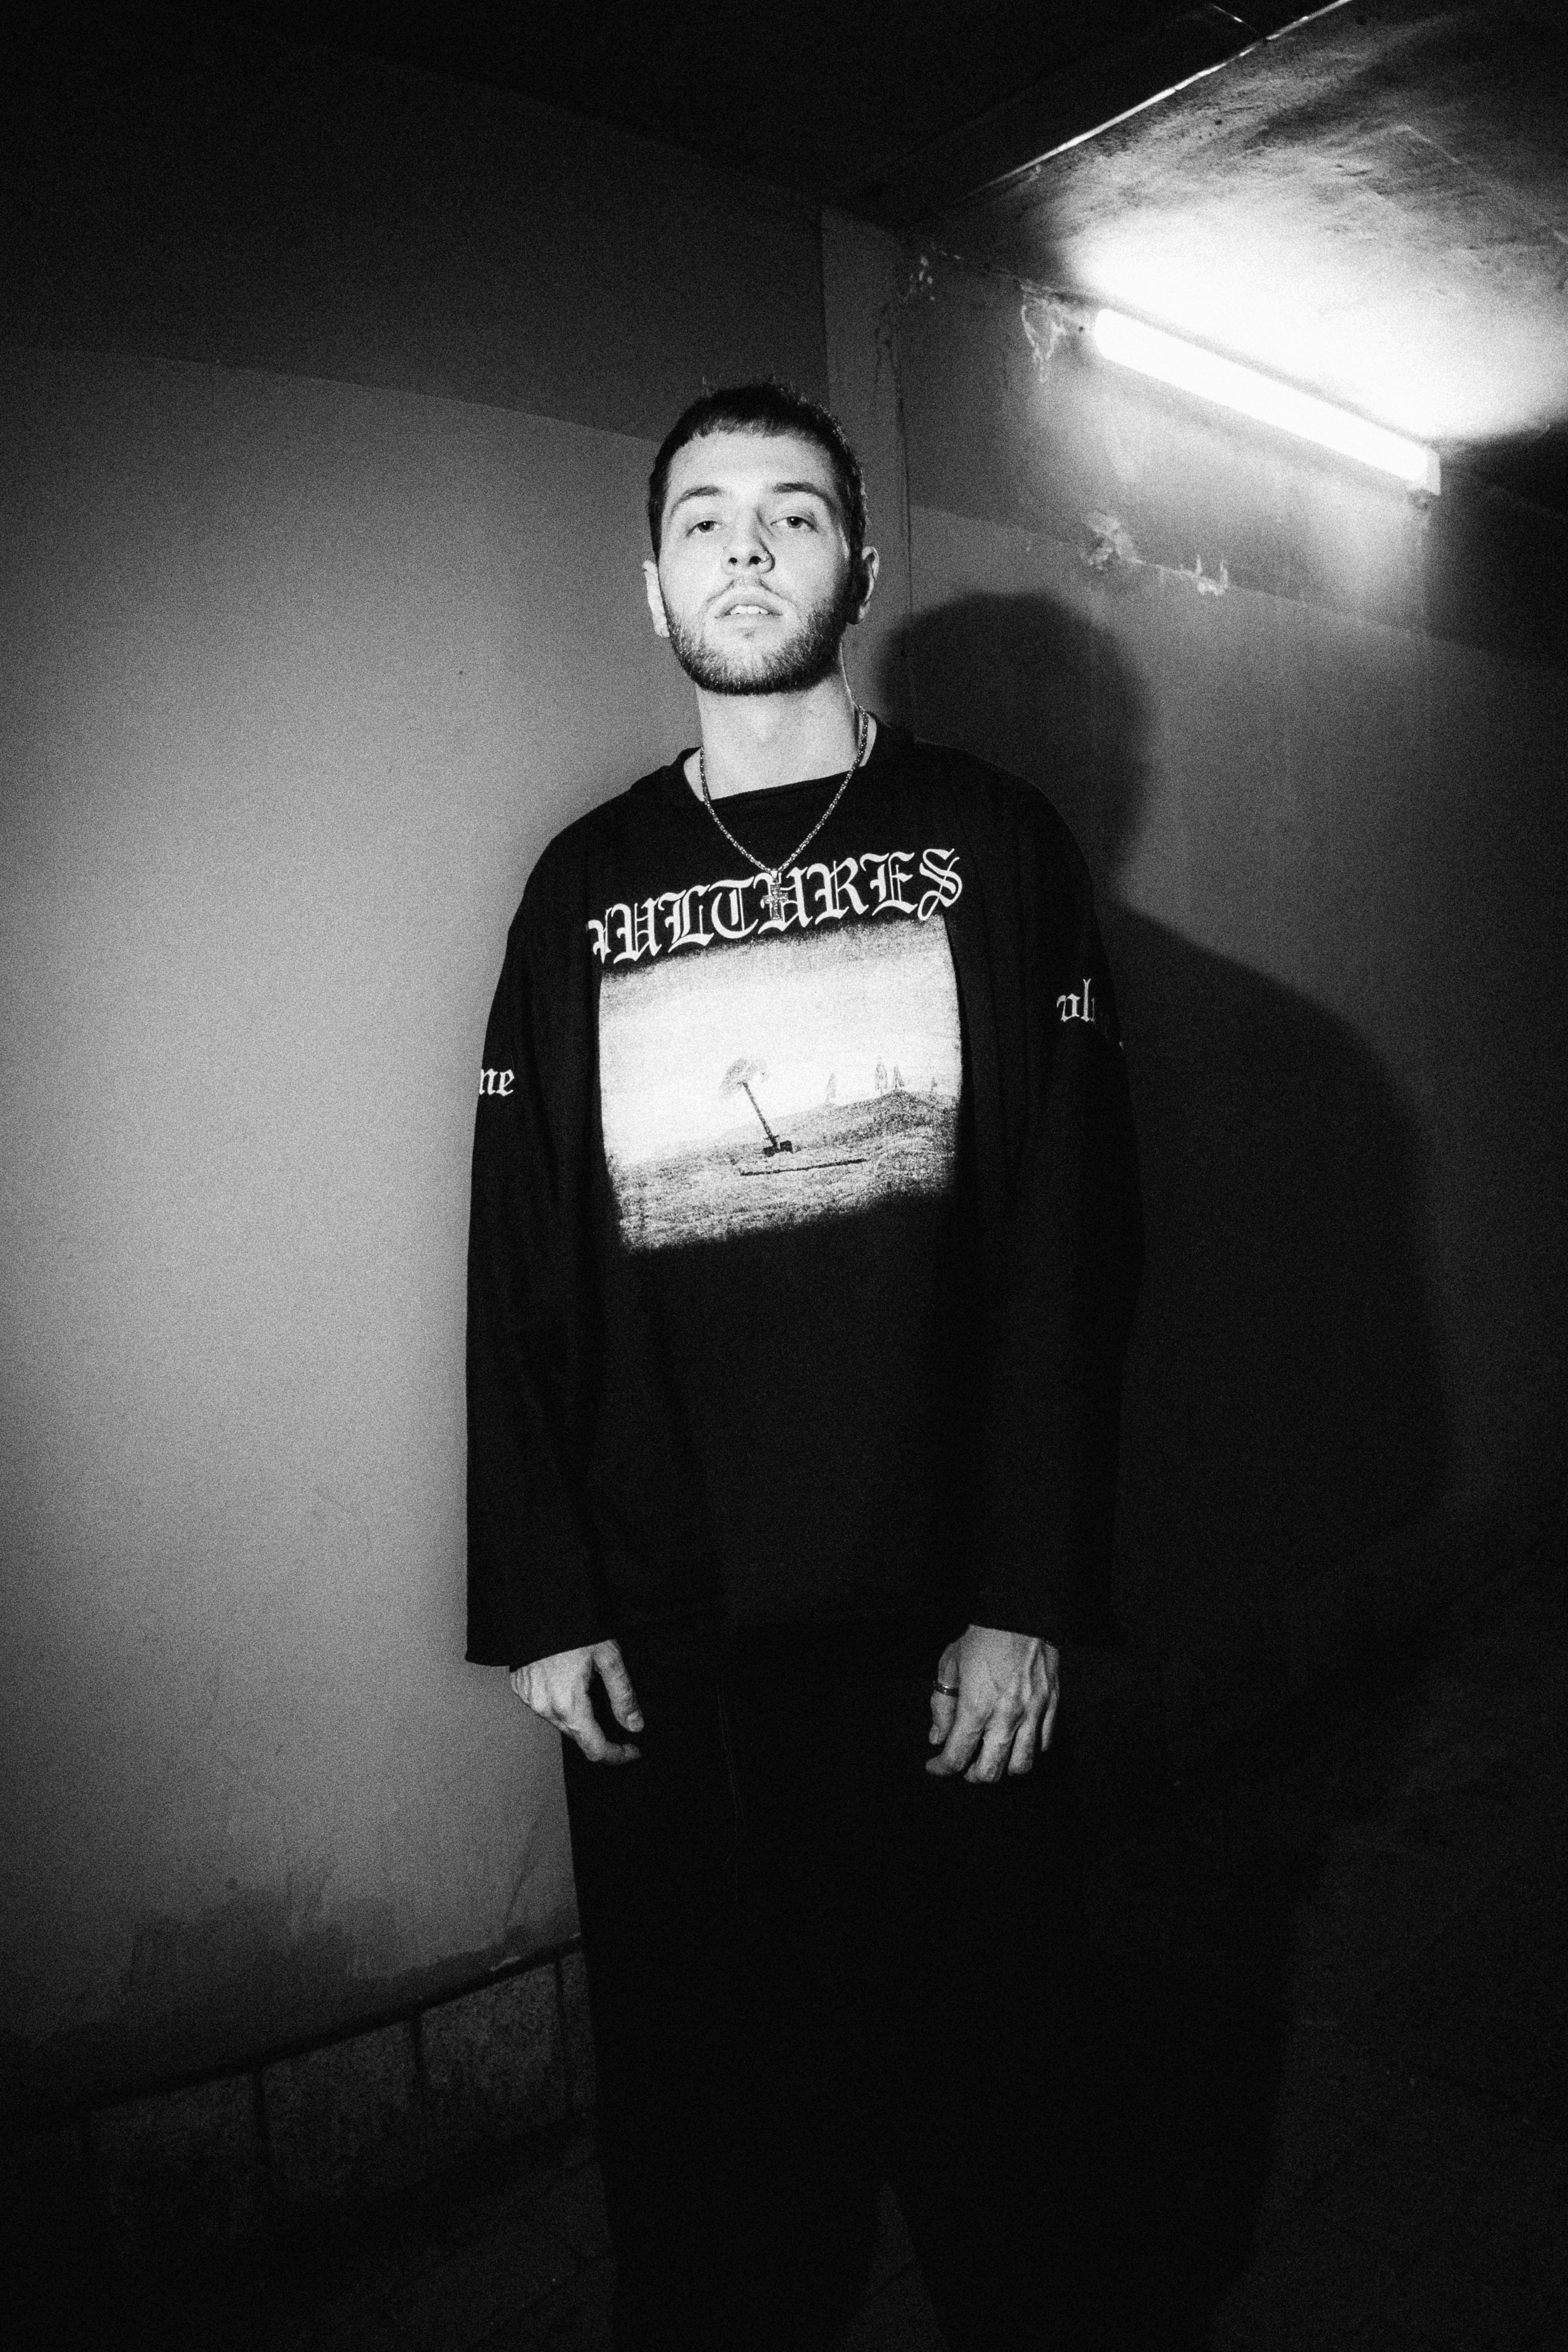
[(1331, 1967)]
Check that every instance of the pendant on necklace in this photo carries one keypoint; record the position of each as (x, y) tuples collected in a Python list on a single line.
[(775, 897)]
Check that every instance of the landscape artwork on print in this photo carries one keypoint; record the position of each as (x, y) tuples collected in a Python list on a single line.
[(779, 1082)]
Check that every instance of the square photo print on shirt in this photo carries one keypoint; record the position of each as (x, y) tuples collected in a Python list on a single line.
[(779, 1081)]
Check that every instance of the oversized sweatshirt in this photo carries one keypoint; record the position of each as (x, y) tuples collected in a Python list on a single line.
[(804, 1226)]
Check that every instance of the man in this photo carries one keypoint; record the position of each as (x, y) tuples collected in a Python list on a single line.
[(804, 1239)]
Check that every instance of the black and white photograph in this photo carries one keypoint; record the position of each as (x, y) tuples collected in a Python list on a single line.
[(848, 1038), (783, 1342)]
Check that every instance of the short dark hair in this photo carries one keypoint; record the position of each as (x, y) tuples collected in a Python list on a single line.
[(771, 408)]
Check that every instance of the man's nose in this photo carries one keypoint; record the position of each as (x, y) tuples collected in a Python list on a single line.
[(748, 550)]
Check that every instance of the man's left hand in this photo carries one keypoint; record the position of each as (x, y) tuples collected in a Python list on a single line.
[(1005, 1709)]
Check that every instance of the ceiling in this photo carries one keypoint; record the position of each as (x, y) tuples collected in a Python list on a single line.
[(1372, 203), (1375, 205), (812, 95)]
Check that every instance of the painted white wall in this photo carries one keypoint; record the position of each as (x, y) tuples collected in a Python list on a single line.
[(301, 677), (329, 393)]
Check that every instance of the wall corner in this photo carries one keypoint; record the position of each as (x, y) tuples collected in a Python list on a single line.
[(864, 272)]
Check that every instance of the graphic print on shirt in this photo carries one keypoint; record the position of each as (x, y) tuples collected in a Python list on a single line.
[(781, 1081)]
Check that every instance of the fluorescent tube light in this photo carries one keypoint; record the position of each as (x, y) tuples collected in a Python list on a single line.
[(1166, 357)]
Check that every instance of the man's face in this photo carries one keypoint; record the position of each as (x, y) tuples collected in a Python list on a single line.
[(753, 585)]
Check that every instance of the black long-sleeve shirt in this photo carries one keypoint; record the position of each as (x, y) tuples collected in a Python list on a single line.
[(805, 1230)]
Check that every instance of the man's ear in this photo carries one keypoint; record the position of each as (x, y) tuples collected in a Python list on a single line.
[(654, 596), (870, 562)]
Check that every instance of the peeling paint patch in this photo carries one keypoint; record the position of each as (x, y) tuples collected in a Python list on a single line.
[(1048, 325), (920, 280), (1208, 584), (1042, 337), (1110, 547)]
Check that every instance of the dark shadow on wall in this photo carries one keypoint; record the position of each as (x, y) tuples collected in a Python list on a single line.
[(1282, 1412), (1283, 1407)]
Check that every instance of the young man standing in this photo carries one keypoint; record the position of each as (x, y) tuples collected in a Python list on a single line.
[(804, 1242)]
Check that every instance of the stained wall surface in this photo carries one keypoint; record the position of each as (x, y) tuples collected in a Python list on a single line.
[(326, 420), (1309, 733), (328, 401)]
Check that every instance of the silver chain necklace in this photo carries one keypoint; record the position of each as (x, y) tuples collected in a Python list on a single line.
[(770, 873)]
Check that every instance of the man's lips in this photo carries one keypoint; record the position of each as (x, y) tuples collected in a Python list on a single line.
[(748, 608)]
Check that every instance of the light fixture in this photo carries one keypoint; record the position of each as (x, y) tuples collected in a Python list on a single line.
[(1171, 360)]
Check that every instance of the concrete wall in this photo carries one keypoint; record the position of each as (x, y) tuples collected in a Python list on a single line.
[(1309, 735), (326, 419), (328, 397)]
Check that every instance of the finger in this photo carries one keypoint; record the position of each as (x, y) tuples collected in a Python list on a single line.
[(944, 1703), (585, 1732), (1021, 1755), (995, 1749), (618, 1688), (962, 1739), (1049, 1721), (530, 1691), (577, 1722)]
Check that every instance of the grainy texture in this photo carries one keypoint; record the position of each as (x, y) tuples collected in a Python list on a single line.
[(1336, 2111)]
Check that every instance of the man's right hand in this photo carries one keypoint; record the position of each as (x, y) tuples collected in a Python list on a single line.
[(557, 1688)]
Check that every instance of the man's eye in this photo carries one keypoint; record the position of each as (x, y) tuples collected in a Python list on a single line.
[(707, 522), (805, 521)]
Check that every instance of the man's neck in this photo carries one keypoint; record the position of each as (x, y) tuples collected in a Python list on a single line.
[(751, 742)]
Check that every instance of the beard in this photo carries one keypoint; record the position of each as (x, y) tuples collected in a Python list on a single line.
[(804, 661)]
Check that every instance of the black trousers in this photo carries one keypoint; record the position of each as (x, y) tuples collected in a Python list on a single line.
[(812, 1965)]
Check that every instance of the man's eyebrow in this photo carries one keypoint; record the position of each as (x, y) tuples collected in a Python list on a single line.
[(775, 489)]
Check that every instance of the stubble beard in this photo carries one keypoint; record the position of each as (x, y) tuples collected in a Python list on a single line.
[(790, 668)]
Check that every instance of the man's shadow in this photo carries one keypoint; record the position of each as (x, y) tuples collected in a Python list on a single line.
[(1281, 1411)]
